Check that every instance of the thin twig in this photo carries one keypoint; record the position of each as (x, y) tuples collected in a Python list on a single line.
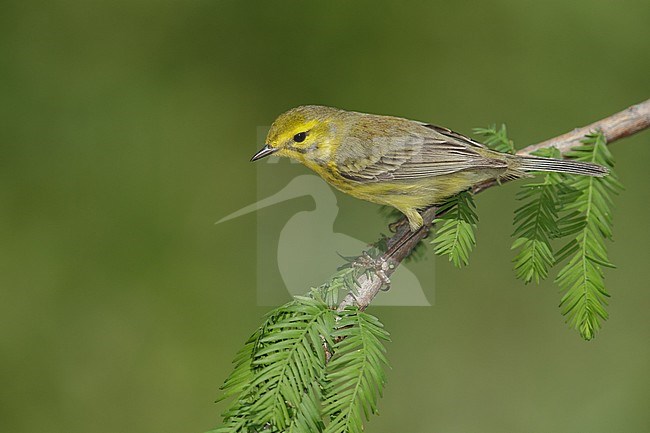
[(627, 122)]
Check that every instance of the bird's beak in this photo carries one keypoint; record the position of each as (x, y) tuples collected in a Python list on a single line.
[(265, 151)]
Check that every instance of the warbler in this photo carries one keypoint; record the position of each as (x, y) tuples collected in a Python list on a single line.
[(392, 161)]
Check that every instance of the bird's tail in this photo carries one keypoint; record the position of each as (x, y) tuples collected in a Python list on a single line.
[(536, 163)]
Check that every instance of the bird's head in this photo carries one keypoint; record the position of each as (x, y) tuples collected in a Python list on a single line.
[(306, 134)]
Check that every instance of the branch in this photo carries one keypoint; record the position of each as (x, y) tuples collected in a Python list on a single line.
[(627, 122)]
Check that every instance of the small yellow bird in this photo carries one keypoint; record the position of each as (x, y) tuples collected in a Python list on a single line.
[(402, 163)]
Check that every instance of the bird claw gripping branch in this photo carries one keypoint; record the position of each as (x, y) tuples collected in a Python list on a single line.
[(379, 266)]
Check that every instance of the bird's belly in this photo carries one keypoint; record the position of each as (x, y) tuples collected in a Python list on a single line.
[(418, 194)]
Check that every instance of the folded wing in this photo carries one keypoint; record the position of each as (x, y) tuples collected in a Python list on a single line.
[(413, 152)]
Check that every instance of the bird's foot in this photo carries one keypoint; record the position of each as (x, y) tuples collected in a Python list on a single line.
[(378, 266), (394, 226)]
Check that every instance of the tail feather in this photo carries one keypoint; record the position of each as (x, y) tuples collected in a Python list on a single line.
[(536, 163)]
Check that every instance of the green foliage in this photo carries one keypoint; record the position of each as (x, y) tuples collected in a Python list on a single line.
[(582, 277), (536, 222), (281, 366), (559, 206), (570, 206), (289, 361), (355, 373), (282, 381), (343, 281), (237, 383), (455, 228), (496, 139)]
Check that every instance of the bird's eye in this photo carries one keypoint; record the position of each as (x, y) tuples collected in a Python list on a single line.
[(300, 137)]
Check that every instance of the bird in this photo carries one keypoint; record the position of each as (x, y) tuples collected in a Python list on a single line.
[(407, 164)]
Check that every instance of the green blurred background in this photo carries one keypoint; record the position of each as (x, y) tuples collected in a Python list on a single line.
[(126, 132)]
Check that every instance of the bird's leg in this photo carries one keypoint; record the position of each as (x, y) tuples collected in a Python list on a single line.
[(414, 217), (379, 266)]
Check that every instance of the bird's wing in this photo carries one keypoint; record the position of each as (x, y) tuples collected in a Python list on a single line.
[(455, 136), (409, 155)]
